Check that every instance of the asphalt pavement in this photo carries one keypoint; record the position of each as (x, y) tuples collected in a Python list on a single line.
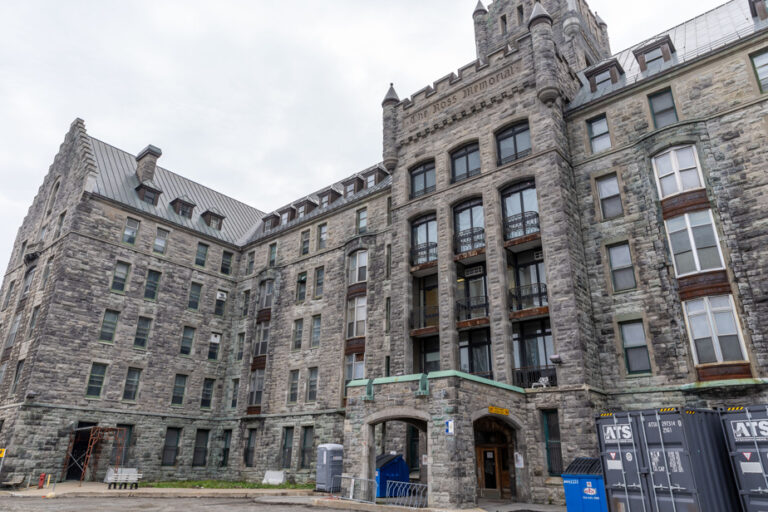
[(109, 504)]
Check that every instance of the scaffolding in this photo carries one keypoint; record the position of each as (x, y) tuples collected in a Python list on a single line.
[(91, 455)]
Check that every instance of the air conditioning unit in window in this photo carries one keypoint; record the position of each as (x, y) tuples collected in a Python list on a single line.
[(221, 295)]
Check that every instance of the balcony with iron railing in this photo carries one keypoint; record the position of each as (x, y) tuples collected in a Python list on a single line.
[(534, 376), (468, 240), (425, 316), (471, 308), (521, 224), (424, 253), (528, 297)]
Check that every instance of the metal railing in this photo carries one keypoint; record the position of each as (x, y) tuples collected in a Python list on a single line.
[(528, 296), (521, 224), (534, 376), (469, 239), (473, 307), (406, 494), (354, 489), (424, 253), (427, 316), (554, 457)]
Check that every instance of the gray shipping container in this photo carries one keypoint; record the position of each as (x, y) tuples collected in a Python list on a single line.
[(746, 432), (330, 462), (666, 460)]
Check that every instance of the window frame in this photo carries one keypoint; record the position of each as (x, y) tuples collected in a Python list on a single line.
[(206, 393), (304, 238), (319, 283), (131, 238), (464, 152), (513, 131), (672, 151), (226, 262), (110, 339), (272, 254), (354, 307), (361, 221), (322, 236), (214, 346), (316, 331), (256, 387), (625, 348), (297, 334), (600, 199), (313, 377), (152, 286), (134, 386), (122, 282), (654, 114), (139, 328), (710, 323), (89, 382), (176, 386), (201, 257), (692, 242), (421, 172), (763, 88), (266, 293), (186, 329), (595, 136), (164, 240), (307, 449), (292, 391), (356, 269), (194, 286), (301, 286), (613, 270)]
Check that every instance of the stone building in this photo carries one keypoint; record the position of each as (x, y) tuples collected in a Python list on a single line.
[(554, 231)]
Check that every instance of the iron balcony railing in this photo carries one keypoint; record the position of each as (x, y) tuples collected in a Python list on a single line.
[(534, 376), (528, 296), (473, 307), (469, 239), (424, 253), (426, 316), (521, 224)]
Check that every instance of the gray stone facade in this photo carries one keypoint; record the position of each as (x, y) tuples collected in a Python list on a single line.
[(518, 357)]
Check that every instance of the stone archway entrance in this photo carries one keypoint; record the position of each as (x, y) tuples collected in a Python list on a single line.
[(495, 445)]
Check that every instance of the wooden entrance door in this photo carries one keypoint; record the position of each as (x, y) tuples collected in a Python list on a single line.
[(488, 471)]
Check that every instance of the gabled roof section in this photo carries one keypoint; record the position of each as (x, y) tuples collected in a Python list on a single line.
[(695, 38), (116, 180)]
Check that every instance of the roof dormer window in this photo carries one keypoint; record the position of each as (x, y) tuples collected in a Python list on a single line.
[(603, 75), (653, 54), (183, 206), (148, 193), (349, 188), (214, 218), (603, 78), (325, 200)]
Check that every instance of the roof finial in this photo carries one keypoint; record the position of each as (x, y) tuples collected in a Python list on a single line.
[(391, 96), (480, 9)]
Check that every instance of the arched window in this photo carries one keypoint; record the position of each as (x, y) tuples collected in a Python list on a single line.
[(422, 179), (465, 162), (469, 226), (358, 267), (424, 239), (513, 142), (520, 209), (52, 199)]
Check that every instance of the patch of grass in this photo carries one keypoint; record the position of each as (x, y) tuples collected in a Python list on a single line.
[(223, 484)]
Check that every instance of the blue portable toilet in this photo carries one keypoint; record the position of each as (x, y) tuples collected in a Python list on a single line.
[(390, 467), (584, 486)]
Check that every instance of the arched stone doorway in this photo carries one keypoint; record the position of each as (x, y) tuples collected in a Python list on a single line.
[(495, 448)]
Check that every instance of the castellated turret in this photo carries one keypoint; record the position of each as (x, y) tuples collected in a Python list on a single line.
[(390, 126), (540, 26)]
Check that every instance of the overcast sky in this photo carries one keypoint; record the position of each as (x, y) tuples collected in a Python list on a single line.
[(263, 100)]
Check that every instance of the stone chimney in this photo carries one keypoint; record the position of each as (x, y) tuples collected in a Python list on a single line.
[(146, 161)]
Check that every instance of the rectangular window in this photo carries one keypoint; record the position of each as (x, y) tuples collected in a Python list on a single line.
[(422, 179), (677, 170), (246, 302), (225, 449), (610, 198), (131, 389), (272, 258), (27, 285), (240, 346), (179, 384), (356, 316), (195, 289), (221, 303), (551, 426), (465, 162), (95, 379), (119, 276), (349, 189), (20, 369), (8, 294), (161, 241), (602, 79), (655, 57), (389, 211), (304, 248), (46, 272), (362, 221), (663, 109), (325, 200), (251, 262), (388, 315), (358, 267), (152, 285), (213, 346), (370, 180), (2, 374), (760, 62), (206, 397), (301, 287), (287, 451), (235, 391), (250, 448), (59, 225), (14, 330), (256, 387), (513, 143), (694, 243), (23, 251), (43, 231), (142, 332), (262, 339), (298, 332), (226, 263), (109, 326), (201, 255), (388, 266), (316, 326), (319, 281), (293, 386), (714, 330), (354, 368), (622, 271), (131, 231), (599, 138), (322, 236), (33, 321), (307, 447), (635, 347), (171, 446), (187, 339), (200, 455), (312, 385)]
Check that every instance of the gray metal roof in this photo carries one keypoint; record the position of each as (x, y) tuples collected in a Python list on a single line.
[(696, 37), (117, 181)]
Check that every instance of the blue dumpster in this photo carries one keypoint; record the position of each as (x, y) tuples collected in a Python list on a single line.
[(390, 467), (584, 486)]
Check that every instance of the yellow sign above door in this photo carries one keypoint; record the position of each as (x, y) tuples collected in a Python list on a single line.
[(498, 410)]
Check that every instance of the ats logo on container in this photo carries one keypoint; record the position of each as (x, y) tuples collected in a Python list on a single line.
[(589, 490), (750, 430), (617, 433)]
